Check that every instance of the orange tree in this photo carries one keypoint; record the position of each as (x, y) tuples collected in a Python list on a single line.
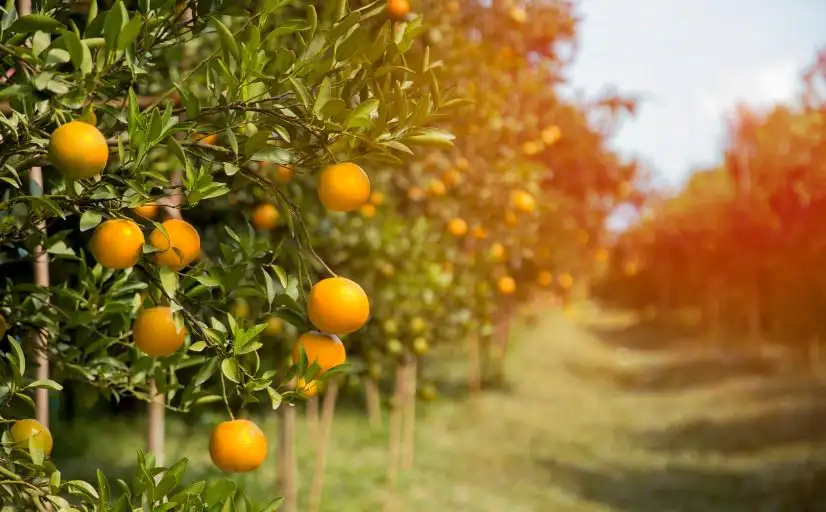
[(180, 105), (739, 243)]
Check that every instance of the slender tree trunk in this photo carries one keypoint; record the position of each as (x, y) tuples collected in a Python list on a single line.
[(410, 415), (312, 416), (327, 414), (285, 457), (373, 400), (474, 365), (41, 277), (395, 438)]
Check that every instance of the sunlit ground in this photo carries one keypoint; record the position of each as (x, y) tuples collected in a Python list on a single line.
[(602, 415)]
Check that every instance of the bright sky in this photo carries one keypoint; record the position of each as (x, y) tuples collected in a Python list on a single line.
[(693, 60)]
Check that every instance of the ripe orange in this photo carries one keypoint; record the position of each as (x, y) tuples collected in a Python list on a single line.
[(415, 194), (343, 187), (451, 177), (511, 219), (398, 9), (566, 280), (497, 250), (265, 217), (437, 188), (181, 237), (377, 198), (551, 135), (117, 243), (147, 211), (284, 173), (237, 446), (582, 236), (240, 308), (324, 349), (601, 256), (479, 233), (368, 211), (462, 163), (78, 150), (155, 333), (23, 430), (506, 285), (306, 389), (338, 305), (457, 227), (523, 201), (544, 278), (206, 139)]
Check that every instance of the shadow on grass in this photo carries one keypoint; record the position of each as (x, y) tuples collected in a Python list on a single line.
[(645, 335), (689, 371), (786, 487)]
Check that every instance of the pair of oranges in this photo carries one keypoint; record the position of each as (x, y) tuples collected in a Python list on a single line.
[(118, 244)]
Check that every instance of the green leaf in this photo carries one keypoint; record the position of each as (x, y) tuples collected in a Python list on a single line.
[(103, 490), (115, 20), (275, 398), (230, 369), (431, 137), (36, 450), (79, 487), (130, 32), (269, 285), (324, 95), (228, 41), (198, 346), (206, 371), (34, 22), (282, 275), (90, 219), (44, 384), (169, 281), (301, 90), (18, 352)]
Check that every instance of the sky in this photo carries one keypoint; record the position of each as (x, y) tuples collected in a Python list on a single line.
[(691, 61)]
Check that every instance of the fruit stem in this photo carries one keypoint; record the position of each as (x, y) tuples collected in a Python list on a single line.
[(224, 396)]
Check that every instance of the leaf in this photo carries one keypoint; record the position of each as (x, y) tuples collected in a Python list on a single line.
[(269, 285), (230, 369), (103, 489), (301, 90), (130, 32), (275, 397), (324, 95), (34, 22), (114, 22), (36, 450), (44, 384), (18, 352), (80, 487), (361, 115), (198, 346), (169, 281), (431, 137), (228, 41), (90, 219), (206, 371)]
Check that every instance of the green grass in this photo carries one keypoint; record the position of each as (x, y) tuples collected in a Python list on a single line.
[(600, 415)]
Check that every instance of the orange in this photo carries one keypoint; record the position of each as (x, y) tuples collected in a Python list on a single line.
[(566, 280), (497, 250), (23, 430), (437, 188), (117, 243), (275, 326), (368, 211), (453, 6), (510, 219), (398, 9), (265, 217), (377, 198), (343, 187), (237, 446), (147, 211), (305, 389), (181, 237), (479, 233), (206, 139), (78, 150), (284, 173), (518, 14), (324, 349), (415, 194), (451, 177), (601, 255), (583, 236), (338, 305), (462, 163), (457, 227), (550, 135), (544, 278), (155, 333), (240, 308), (523, 201), (506, 285)]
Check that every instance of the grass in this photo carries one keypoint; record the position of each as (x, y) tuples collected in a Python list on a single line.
[(601, 415)]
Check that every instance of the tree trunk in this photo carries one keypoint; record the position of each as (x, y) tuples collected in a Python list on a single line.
[(285, 457), (395, 438), (410, 414), (317, 485), (312, 417), (373, 400), (474, 365)]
